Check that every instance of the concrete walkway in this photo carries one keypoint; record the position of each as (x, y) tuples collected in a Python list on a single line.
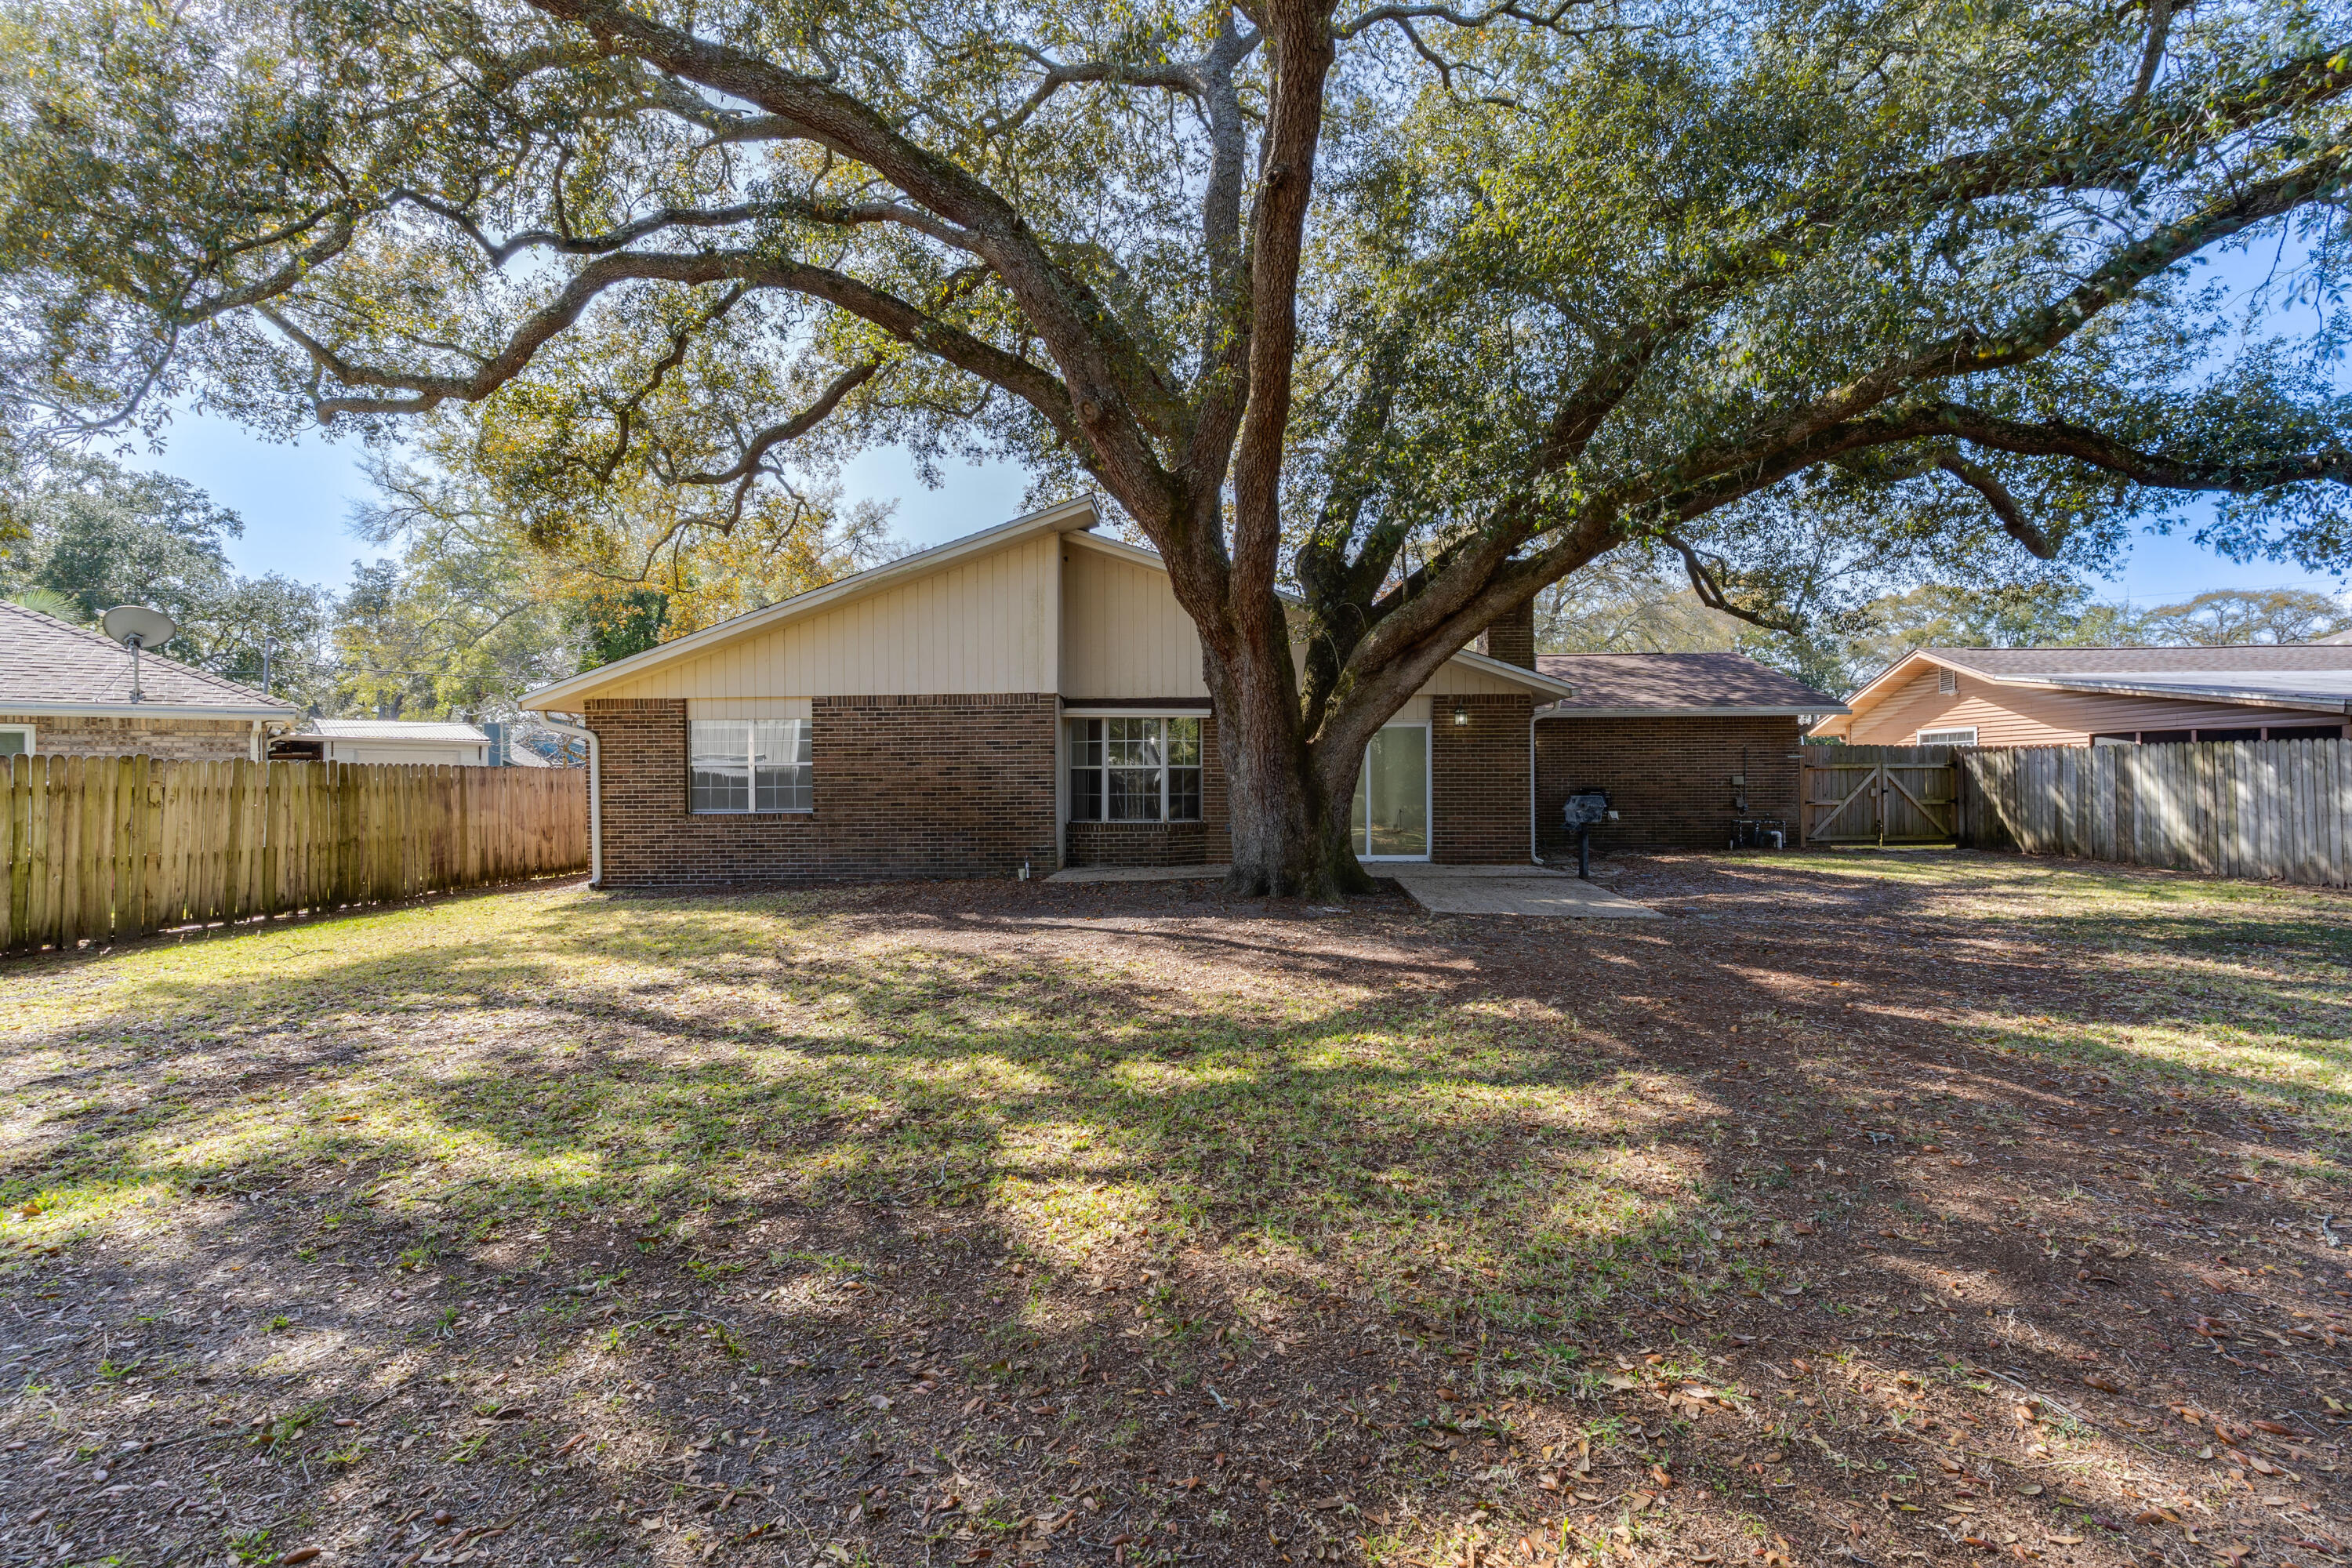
[(1441, 890)]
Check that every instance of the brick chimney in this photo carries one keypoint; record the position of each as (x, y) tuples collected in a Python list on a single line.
[(1511, 637)]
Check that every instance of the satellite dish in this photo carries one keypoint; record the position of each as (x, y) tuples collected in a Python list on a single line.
[(136, 625)]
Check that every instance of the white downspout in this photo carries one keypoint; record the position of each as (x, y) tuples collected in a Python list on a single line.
[(1533, 858), (595, 796)]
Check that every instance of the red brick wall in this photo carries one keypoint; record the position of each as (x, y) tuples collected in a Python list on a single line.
[(905, 786), (1669, 778), (98, 735), (1478, 780), (1207, 842)]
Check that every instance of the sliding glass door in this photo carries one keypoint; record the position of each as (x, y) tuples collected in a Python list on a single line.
[(1391, 814)]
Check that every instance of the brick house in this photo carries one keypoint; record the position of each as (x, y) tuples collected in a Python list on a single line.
[(1027, 696), (64, 691), (1686, 745), (2102, 696)]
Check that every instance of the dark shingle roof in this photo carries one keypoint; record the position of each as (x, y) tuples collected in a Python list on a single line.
[(55, 664), (1679, 682)]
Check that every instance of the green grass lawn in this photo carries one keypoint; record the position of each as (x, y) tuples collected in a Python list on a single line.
[(1152, 1227)]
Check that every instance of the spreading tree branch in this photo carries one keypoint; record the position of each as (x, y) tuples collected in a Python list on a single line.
[(2004, 505)]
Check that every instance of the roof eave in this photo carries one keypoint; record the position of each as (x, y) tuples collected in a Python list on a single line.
[(1564, 710), (396, 740), (1503, 669), (10, 706), (1067, 517)]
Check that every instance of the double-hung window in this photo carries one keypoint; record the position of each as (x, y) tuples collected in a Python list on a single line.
[(748, 764), (1135, 770)]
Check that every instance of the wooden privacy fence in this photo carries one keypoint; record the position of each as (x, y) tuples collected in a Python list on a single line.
[(1879, 794), (2279, 809), (98, 847)]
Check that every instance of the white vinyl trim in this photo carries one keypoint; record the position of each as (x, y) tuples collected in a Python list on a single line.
[(1428, 794), (26, 731)]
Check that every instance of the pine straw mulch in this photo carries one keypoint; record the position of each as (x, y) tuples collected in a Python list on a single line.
[(1869, 1209)]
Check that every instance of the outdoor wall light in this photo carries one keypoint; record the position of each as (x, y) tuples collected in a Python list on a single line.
[(1461, 714)]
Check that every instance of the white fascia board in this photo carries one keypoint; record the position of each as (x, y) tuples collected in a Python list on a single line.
[(1558, 711), (563, 696), (1861, 696), (1535, 680), (146, 711)]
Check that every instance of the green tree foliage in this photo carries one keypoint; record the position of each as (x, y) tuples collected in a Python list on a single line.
[(618, 625), (490, 594), (2230, 617), (96, 534), (1418, 310)]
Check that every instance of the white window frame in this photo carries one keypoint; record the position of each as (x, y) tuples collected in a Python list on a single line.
[(1068, 764), (28, 730), (1957, 735), (798, 743), (1428, 790)]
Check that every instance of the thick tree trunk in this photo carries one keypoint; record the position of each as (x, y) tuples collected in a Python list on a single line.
[(1289, 825)]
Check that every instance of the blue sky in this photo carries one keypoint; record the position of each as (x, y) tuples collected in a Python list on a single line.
[(297, 498)]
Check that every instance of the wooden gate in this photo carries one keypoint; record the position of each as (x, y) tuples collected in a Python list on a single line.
[(1881, 795)]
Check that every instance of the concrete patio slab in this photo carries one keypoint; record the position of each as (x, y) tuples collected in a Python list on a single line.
[(1515, 890)]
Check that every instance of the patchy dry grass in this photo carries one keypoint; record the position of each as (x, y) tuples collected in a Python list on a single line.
[(1871, 1208)]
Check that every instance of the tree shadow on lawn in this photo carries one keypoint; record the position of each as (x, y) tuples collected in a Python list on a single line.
[(1356, 1209)]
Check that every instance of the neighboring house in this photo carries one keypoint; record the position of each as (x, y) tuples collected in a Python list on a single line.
[(2084, 696), (386, 740), (64, 691), (1688, 744), (1031, 696)]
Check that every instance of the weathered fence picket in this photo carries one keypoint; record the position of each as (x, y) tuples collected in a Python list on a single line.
[(2273, 810), (96, 849)]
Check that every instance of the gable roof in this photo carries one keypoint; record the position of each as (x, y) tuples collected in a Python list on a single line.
[(1066, 517), (1071, 518), (2314, 677), (49, 665), (1642, 685)]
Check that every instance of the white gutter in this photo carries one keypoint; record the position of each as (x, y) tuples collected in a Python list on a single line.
[(1565, 711), (595, 797)]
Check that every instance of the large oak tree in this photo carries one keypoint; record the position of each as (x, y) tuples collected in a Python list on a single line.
[(1407, 308)]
